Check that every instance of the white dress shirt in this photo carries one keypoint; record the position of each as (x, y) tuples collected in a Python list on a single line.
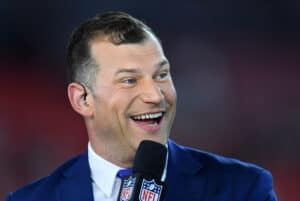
[(105, 182)]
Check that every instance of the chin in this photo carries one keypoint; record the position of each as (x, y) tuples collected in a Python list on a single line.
[(158, 140), (156, 137)]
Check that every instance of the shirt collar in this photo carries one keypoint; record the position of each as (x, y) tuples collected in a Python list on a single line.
[(103, 172)]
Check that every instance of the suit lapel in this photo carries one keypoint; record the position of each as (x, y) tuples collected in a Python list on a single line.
[(76, 182), (185, 178)]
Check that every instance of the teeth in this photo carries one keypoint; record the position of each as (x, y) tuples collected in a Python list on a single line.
[(147, 116)]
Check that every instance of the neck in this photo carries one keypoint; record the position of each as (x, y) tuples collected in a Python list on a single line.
[(113, 154)]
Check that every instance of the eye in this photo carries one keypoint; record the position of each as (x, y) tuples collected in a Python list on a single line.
[(162, 75), (129, 81)]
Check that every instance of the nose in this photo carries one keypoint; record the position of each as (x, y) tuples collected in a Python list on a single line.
[(152, 93)]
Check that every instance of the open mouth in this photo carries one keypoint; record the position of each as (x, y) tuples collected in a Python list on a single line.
[(150, 118)]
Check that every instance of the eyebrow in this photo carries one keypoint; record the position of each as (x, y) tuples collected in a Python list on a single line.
[(128, 70), (136, 71), (162, 63)]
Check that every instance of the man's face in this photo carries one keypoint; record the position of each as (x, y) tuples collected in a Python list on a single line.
[(134, 97)]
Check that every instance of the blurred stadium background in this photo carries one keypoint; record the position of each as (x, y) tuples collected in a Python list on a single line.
[(235, 64)]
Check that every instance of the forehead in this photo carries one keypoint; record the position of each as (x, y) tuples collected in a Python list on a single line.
[(107, 54)]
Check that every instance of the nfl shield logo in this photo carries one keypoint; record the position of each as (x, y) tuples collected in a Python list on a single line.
[(127, 189), (150, 191)]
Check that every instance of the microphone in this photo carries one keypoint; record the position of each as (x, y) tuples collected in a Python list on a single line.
[(145, 184)]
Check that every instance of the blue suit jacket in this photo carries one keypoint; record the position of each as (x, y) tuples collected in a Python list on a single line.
[(192, 175)]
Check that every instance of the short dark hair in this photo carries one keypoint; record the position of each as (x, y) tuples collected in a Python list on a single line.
[(117, 27)]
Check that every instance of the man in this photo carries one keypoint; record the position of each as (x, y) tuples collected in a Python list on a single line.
[(120, 83)]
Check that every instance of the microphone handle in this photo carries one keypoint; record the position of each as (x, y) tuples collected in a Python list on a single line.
[(140, 187)]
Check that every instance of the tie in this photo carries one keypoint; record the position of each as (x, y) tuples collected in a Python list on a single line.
[(124, 173)]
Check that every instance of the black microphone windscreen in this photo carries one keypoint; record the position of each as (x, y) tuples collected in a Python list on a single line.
[(150, 159)]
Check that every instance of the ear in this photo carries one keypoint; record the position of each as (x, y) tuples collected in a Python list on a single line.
[(80, 99)]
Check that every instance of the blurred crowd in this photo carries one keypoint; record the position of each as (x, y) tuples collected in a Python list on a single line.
[(235, 64)]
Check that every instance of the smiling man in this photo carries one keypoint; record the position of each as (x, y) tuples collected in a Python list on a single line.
[(120, 83), (132, 97)]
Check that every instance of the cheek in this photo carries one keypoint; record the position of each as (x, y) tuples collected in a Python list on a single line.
[(170, 94), (121, 100), (105, 102)]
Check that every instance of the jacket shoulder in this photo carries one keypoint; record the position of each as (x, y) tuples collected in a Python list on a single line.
[(42, 188), (217, 162), (227, 174), (245, 179)]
